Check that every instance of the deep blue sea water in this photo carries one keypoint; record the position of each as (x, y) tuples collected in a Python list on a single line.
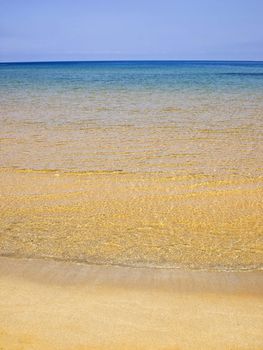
[(171, 75)]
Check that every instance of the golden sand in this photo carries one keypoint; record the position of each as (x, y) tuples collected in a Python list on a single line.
[(140, 219), (47, 305)]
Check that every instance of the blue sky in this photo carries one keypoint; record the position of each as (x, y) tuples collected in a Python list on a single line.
[(44, 30)]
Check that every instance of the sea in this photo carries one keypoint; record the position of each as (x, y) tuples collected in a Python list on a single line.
[(136, 116), (138, 163)]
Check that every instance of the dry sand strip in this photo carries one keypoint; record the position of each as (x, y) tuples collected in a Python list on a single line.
[(56, 305)]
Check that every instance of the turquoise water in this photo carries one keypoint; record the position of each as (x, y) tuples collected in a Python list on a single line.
[(119, 115)]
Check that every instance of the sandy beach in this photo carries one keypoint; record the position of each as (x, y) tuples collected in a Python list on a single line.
[(56, 305)]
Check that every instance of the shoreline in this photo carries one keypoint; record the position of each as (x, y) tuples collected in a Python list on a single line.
[(73, 272), (137, 265), (54, 305)]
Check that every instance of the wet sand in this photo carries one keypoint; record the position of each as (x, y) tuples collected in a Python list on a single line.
[(57, 305)]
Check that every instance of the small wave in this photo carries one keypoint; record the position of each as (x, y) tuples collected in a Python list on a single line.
[(241, 74)]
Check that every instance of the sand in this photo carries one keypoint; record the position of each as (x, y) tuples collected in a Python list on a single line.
[(57, 305)]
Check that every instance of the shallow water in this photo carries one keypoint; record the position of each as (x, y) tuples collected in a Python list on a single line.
[(171, 151)]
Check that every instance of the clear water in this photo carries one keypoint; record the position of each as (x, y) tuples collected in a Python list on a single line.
[(156, 163), (131, 116)]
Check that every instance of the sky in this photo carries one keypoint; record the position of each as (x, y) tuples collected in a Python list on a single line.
[(58, 30)]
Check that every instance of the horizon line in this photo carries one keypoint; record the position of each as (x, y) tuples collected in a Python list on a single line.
[(131, 60)]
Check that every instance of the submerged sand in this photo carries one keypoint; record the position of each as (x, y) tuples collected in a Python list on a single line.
[(54, 305), (134, 219)]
